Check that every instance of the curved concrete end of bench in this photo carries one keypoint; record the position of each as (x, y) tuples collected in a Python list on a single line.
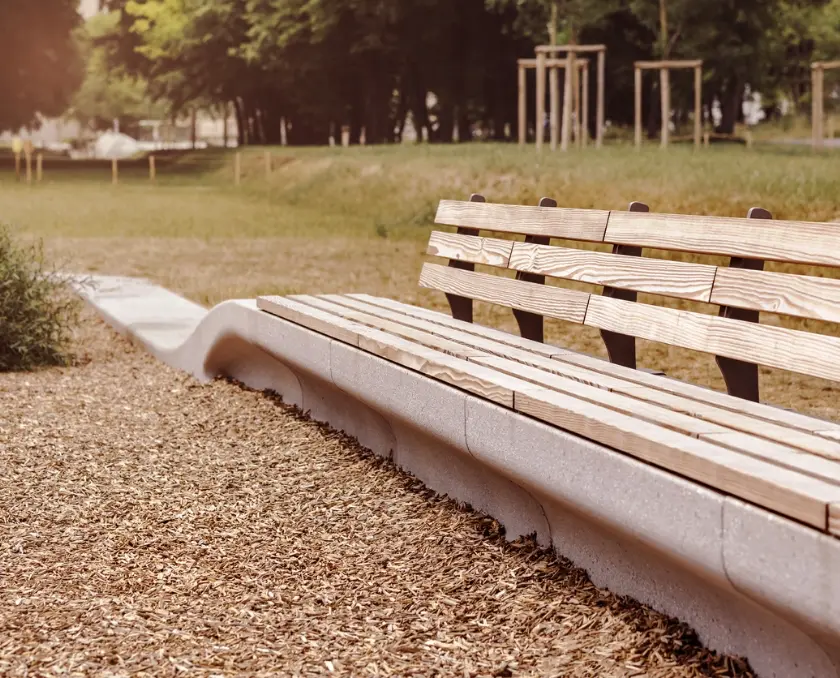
[(749, 582)]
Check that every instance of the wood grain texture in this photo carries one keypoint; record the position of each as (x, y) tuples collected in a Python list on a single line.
[(655, 276), (797, 295), (512, 360), (812, 354), (614, 401), (426, 339), (792, 494), (460, 373), (444, 320), (779, 455), (300, 315), (554, 222), (792, 241), (552, 302), (476, 250)]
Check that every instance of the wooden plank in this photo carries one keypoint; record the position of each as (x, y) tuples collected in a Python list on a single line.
[(554, 222), (655, 276), (444, 320), (759, 411), (792, 350), (488, 251), (791, 241), (459, 373), (789, 493), (578, 49), (797, 295), (614, 401), (780, 455), (678, 63), (426, 339), (834, 519), (735, 420), (553, 302)]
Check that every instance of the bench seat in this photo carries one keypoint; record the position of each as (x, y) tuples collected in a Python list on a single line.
[(783, 461)]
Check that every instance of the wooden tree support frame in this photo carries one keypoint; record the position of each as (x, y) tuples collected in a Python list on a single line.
[(571, 52), (554, 67), (818, 69), (665, 68)]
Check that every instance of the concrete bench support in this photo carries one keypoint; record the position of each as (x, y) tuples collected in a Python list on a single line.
[(749, 582)]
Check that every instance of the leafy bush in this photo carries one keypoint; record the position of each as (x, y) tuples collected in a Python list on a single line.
[(37, 309)]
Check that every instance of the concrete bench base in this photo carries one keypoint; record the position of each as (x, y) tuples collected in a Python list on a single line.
[(749, 582)]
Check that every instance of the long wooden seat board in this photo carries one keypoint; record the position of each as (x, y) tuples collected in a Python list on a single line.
[(791, 241), (799, 496), (690, 391), (572, 224), (512, 361)]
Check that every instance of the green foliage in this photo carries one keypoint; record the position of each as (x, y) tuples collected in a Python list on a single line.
[(37, 312), (40, 66), (108, 92), (368, 63)]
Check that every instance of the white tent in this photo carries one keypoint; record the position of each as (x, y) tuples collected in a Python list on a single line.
[(115, 145)]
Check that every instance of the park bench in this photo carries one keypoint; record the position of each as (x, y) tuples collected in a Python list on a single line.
[(709, 506)]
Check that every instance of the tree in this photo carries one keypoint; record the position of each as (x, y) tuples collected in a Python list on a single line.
[(40, 67)]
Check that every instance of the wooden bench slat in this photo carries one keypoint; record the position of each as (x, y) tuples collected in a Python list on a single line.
[(445, 320), (654, 276), (812, 354), (796, 295), (554, 222), (793, 494), (459, 373), (424, 338), (470, 248), (778, 454), (516, 359), (763, 412), (553, 302), (791, 241)]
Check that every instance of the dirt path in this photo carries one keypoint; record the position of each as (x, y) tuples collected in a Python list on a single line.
[(152, 526)]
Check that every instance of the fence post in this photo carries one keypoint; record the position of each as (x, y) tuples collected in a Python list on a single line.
[(39, 167), (152, 168), (114, 171), (237, 168)]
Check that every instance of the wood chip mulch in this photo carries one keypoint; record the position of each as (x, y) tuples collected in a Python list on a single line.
[(150, 526)]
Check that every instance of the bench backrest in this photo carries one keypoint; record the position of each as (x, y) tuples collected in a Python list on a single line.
[(741, 290)]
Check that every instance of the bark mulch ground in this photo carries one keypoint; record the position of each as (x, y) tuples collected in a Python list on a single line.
[(153, 526)]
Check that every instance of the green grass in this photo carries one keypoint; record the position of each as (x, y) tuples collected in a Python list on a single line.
[(356, 220)]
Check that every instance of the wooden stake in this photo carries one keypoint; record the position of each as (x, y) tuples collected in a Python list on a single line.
[(585, 107), (237, 168), (39, 168), (698, 105), (267, 164), (28, 168), (115, 171), (523, 105), (576, 91), (541, 75), (599, 116), (638, 113), (665, 87), (554, 121), (566, 131), (152, 168)]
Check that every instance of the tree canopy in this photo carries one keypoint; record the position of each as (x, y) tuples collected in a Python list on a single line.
[(40, 67), (368, 64)]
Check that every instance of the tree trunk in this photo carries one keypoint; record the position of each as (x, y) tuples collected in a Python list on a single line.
[(731, 103)]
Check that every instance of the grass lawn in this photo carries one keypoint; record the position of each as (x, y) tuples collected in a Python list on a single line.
[(334, 220)]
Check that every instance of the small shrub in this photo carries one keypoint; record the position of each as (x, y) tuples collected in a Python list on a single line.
[(37, 309)]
